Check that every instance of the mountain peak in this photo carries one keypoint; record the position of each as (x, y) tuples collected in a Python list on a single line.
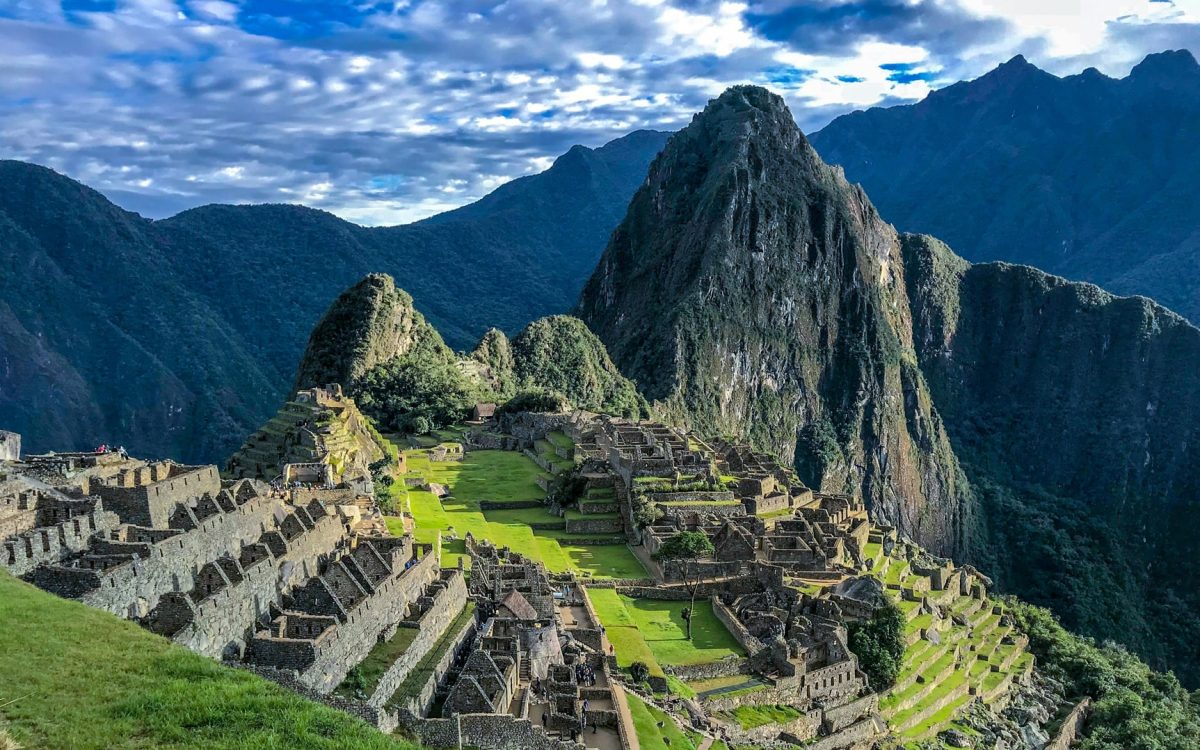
[(1166, 66)]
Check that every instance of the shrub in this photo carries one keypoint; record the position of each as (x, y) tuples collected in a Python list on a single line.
[(879, 645)]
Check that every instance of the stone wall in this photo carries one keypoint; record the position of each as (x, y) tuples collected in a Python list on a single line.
[(587, 525), (323, 663), (768, 504), (838, 718), (735, 627), (433, 623), (1072, 726), (861, 732), (419, 703), (219, 624), (153, 500), (133, 588), (699, 497), (10, 446), (726, 667), (52, 544)]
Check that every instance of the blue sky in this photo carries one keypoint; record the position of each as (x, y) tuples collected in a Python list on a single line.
[(386, 112)]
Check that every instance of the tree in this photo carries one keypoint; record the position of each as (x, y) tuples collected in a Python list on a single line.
[(686, 548), (879, 645), (639, 672)]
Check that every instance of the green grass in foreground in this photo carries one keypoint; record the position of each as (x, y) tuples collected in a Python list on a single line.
[(75, 677), (501, 476), (650, 735)]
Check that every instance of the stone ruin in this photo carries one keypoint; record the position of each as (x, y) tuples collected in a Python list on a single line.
[(534, 675), (232, 569)]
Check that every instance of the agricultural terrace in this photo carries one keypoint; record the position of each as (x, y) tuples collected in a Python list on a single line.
[(979, 658), (489, 476)]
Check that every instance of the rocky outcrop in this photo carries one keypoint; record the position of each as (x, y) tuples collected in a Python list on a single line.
[(752, 291)]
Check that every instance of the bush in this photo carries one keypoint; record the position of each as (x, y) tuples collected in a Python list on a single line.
[(415, 394), (534, 400), (639, 672), (879, 645)]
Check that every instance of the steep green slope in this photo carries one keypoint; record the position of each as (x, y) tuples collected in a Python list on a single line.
[(1086, 176), (179, 336), (370, 323), (1075, 415), (752, 291), (103, 342), (78, 678), (560, 354)]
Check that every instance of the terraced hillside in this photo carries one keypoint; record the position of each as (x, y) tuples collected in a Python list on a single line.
[(959, 647), (314, 426)]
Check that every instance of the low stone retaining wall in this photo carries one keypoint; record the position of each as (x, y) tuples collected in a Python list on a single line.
[(802, 728), (509, 504), (441, 615), (595, 525), (491, 731), (726, 667), (1072, 726), (699, 496), (735, 627)]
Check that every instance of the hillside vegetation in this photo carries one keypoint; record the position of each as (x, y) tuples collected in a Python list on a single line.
[(1085, 176), (76, 678)]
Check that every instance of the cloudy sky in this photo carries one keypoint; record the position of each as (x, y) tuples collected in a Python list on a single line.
[(386, 112)]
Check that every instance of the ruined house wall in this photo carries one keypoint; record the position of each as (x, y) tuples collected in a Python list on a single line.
[(52, 544), (152, 504), (131, 590), (1072, 726), (422, 700), (735, 627), (343, 647), (223, 620), (447, 606)]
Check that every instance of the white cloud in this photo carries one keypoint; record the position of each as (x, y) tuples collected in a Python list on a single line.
[(426, 105)]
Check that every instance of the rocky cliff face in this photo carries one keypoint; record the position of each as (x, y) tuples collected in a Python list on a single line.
[(752, 291), (1042, 429), (1074, 413), (370, 323)]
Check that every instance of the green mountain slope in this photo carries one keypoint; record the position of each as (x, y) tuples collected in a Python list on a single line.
[(176, 337), (1074, 412), (1085, 176), (1042, 429), (752, 291)]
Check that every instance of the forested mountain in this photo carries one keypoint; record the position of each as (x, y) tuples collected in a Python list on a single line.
[(178, 337), (1085, 176), (1043, 428)]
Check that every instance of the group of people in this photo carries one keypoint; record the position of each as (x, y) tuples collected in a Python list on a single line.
[(106, 448), (585, 675)]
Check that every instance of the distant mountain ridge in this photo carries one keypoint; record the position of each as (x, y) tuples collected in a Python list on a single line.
[(180, 336), (1086, 176)]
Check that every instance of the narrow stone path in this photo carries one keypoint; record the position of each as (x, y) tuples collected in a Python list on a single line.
[(706, 744)]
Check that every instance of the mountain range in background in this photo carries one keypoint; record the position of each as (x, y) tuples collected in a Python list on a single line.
[(179, 337), (1089, 177)]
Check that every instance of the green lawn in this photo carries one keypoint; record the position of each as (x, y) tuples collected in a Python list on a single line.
[(752, 717), (650, 736), (75, 677), (653, 631), (661, 623), (502, 476)]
